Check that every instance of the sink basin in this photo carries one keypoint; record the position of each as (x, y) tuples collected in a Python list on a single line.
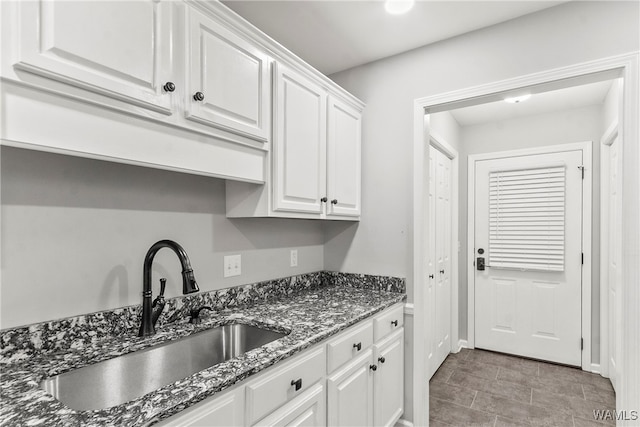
[(127, 377)]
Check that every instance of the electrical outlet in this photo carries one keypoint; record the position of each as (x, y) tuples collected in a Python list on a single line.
[(294, 258), (232, 265)]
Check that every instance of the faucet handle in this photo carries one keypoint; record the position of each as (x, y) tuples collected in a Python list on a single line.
[(195, 314), (163, 284)]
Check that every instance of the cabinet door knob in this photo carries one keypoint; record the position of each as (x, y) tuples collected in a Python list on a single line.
[(441, 271), (394, 322), (198, 96), (323, 200), (381, 359), (334, 202), (297, 383), (358, 346), (373, 367), (431, 276), (169, 87)]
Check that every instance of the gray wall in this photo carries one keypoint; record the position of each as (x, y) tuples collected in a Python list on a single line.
[(567, 34), (75, 232)]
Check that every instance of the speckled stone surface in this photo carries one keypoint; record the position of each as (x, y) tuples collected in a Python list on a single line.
[(311, 307)]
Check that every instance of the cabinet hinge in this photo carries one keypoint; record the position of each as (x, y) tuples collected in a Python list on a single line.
[(582, 170), (581, 343)]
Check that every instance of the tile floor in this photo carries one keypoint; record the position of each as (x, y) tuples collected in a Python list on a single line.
[(482, 388)]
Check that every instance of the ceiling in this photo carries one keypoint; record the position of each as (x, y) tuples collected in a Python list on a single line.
[(539, 103), (335, 35)]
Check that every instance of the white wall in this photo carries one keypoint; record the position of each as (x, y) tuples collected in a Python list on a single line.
[(575, 125), (75, 232)]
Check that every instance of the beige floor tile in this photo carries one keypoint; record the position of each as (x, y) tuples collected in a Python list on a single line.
[(552, 384), (457, 415), (501, 388), (599, 394), (442, 375), (521, 412), (482, 370), (566, 373), (579, 408), (515, 363), (452, 393)]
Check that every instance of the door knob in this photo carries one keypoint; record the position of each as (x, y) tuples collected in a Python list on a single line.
[(334, 202), (381, 359), (431, 276), (373, 367), (198, 96), (297, 383), (323, 200), (358, 346), (441, 271), (169, 87)]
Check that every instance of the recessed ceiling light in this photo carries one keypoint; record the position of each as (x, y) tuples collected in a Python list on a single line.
[(398, 7), (517, 99)]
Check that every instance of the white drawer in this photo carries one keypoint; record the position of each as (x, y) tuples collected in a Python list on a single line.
[(349, 344), (274, 389), (388, 321)]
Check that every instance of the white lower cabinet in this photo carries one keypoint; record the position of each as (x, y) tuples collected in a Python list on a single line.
[(356, 378), (350, 393), (226, 409), (388, 384), (308, 409)]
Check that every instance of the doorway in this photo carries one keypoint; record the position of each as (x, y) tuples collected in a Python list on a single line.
[(624, 66)]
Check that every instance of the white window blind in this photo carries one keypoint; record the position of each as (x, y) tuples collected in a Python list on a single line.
[(526, 218)]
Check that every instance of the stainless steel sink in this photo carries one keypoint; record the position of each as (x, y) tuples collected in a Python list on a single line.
[(127, 377)]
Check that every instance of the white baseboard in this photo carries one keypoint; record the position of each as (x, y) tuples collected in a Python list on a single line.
[(595, 368), (403, 423), (461, 344), (408, 309)]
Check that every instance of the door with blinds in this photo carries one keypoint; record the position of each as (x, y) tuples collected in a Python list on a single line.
[(528, 249)]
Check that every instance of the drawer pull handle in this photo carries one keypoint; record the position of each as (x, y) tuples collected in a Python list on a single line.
[(297, 383), (381, 359), (373, 367), (394, 322), (198, 96), (358, 346)]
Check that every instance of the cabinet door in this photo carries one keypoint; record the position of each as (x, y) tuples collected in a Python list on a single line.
[(388, 390), (343, 159), (117, 49), (350, 394), (233, 76), (224, 410), (299, 147), (306, 410)]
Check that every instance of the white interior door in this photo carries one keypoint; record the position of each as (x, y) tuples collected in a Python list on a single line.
[(614, 260), (528, 230), (439, 263)]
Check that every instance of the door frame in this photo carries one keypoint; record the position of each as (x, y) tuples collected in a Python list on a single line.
[(587, 196), (605, 143), (624, 66), (437, 142)]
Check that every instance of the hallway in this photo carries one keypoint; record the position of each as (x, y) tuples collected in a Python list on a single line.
[(482, 388)]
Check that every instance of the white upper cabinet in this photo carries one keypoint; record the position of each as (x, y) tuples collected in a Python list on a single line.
[(315, 155), (343, 159), (228, 79), (299, 145), (117, 49)]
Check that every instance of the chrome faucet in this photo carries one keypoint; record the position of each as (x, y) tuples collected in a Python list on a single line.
[(150, 314)]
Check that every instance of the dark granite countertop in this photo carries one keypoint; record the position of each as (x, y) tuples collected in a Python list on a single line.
[(311, 315)]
